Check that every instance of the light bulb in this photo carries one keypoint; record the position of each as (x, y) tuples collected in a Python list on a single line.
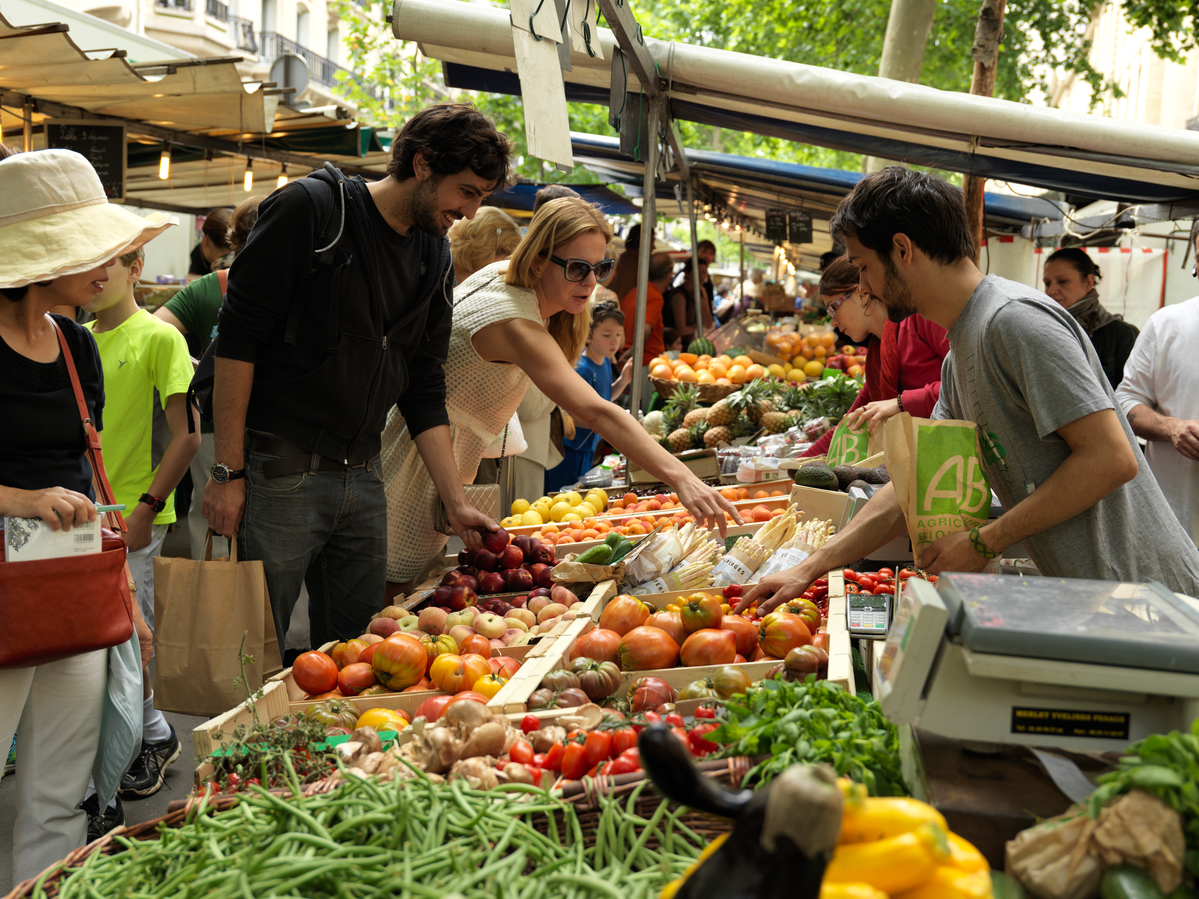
[(164, 163), (282, 179), (249, 180)]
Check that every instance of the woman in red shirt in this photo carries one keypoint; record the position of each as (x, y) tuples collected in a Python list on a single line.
[(903, 361)]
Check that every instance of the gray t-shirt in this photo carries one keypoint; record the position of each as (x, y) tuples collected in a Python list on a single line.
[(1020, 367)]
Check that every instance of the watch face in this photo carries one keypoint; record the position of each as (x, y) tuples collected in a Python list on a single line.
[(220, 473)]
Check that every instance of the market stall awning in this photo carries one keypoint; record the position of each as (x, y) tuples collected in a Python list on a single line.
[(1048, 148), (520, 198)]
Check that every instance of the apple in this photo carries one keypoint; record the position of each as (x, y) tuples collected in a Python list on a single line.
[(536, 568), (461, 597), (495, 540), (516, 623), (466, 556), (487, 561), (540, 591), (519, 602), (516, 579), (553, 610), (511, 634), (537, 603), (560, 594), (409, 624), (441, 596), (543, 553), (545, 578), (491, 582), (511, 557), (368, 639), (384, 627), (489, 625), (432, 620), (523, 542), (460, 632), (529, 618)]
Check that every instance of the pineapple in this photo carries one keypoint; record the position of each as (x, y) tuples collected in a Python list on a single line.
[(680, 440), (694, 417), (777, 422), (697, 432), (713, 437), (750, 400), (722, 413), (743, 427), (683, 400)]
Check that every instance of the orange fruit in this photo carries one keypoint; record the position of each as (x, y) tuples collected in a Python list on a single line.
[(812, 340), (828, 339), (754, 371), (742, 493), (718, 369), (819, 352), (724, 382), (761, 494), (743, 361), (737, 374), (724, 360), (729, 493), (689, 358), (665, 372), (686, 373), (704, 377)]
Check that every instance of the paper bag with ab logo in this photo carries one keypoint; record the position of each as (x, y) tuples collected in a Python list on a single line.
[(936, 468), (851, 446)]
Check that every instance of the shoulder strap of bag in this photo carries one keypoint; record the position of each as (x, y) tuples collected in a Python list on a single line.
[(91, 436), (503, 451), (334, 215)]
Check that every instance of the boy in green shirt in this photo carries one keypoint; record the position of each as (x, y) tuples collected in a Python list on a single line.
[(147, 448)]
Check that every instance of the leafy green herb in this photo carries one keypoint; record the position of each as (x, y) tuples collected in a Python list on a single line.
[(814, 722), (1166, 765)]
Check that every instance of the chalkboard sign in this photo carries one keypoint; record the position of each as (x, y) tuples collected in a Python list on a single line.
[(103, 143), (799, 226), (776, 225)]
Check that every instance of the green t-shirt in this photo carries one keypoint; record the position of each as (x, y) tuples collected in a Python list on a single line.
[(198, 308), (145, 363)]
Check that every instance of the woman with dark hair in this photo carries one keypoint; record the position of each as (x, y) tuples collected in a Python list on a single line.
[(1070, 278), (903, 361), (213, 250)]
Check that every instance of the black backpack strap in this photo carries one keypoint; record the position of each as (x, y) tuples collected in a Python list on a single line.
[(333, 223)]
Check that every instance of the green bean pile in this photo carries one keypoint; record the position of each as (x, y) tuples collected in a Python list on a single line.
[(405, 838)]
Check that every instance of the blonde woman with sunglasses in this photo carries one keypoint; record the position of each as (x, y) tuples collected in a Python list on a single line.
[(516, 322), (903, 361)]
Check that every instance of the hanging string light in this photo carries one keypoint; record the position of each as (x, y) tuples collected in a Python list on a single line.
[(282, 180), (249, 180), (164, 162)]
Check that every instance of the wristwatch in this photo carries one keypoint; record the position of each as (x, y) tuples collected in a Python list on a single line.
[(222, 473), (157, 503)]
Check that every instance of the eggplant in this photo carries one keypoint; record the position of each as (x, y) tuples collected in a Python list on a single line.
[(783, 836)]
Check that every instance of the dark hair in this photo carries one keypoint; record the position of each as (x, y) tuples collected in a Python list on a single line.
[(606, 310), (826, 259), (16, 294), (138, 255), (632, 240), (660, 265), (705, 244), (669, 336), (553, 192), (928, 209), (241, 223), (452, 137), (7, 151), (216, 227), (1078, 259), (840, 275)]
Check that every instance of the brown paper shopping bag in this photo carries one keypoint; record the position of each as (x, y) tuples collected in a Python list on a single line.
[(936, 469), (202, 609)]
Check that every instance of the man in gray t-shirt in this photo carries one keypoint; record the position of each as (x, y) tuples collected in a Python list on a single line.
[(1073, 483)]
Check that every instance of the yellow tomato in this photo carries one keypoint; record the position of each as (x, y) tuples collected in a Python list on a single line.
[(489, 685), (383, 719)]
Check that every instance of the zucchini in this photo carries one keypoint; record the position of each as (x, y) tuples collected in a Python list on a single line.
[(623, 548), (597, 555), (1127, 882), (613, 539)]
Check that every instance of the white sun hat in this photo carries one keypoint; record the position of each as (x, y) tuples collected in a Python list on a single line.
[(56, 221)]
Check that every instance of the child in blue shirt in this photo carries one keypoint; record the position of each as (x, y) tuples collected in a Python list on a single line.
[(595, 366)]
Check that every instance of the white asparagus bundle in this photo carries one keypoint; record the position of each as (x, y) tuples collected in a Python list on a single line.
[(654, 556), (813, 533), (808, 538), (778, 530), (693, 577), (702, 552), (739, 563)]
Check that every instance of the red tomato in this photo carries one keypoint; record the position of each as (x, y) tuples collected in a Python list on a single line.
[(850, 575), (709, 646), (504, 666), (456, 674), (574, 761), (623, 738), (626, 763), (476, 644), (468, 696), (598, 644), (782, 632), (530, 723), (540, 759), (598, 747), (356, 677), (905, 573), (886, 572), (884, 589), (521, 752), (624, 613), (867, 581), (705, 711), (671, 623), (432, 707), (649, 693), (733, 590), (698, 741), (820, 582), (820, 641), (399, 661), (553, 758), (682, 737), (674, 719), (744, 632), (314, 672), (644, 648)]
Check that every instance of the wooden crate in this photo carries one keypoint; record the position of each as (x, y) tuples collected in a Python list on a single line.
[(268, 704)]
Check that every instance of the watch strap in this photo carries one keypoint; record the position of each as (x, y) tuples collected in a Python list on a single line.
[(157, 503)]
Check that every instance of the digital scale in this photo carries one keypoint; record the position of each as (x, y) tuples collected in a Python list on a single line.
[(1078, 664)]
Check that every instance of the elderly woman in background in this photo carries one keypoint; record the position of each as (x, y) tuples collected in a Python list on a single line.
[(1070, 278), (515, 322), (490, 236)]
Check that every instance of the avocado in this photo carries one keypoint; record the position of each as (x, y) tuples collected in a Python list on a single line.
[(816, 475), (858, 483), (845, 474), (878, 475)]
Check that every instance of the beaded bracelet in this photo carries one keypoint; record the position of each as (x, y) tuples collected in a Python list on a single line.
[(976, 541)]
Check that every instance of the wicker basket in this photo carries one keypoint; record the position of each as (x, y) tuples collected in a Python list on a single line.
[(708, 393)]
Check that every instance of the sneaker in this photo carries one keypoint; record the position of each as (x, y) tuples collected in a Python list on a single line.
[(10, 764), (100, 824), (145, 775)]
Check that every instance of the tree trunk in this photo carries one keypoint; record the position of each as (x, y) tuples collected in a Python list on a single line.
[(908, 27), (986, 57)]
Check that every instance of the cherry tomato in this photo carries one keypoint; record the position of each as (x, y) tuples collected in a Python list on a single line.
[(905, 573), (530, 723), (674, 719), (521, 752), (698, 742), (682, 736), (850, 575), (886, 572), (623, 738), (645, 719), (553, 757), (705, 711), (884, 589), (539, 759), (820, 582), (733, 590), (598, 747), (574, 761), (625, 763), (867, 581)]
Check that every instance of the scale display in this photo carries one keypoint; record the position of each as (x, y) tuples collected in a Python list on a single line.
[(1095, 622)]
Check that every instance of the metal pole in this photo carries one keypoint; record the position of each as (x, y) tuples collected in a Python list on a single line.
[(696, 286), (28, 124), (744, 298), (648, 223)]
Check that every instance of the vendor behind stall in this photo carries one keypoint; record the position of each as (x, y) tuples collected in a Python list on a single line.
[(1065, 465)]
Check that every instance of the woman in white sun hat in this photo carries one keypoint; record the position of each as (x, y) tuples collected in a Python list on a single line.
[(58, 233)]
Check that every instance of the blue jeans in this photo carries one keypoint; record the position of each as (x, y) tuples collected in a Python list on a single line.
[(327, 529)]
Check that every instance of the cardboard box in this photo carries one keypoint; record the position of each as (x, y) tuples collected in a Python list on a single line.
[(702, 463), (821, 505)]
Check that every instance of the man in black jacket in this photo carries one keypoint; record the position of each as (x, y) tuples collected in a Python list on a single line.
[(338, 307)]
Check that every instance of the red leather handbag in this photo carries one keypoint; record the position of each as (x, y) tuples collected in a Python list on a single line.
[(56, 608)]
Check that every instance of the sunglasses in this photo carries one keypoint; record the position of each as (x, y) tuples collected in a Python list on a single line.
[(832, 307), (579, 269)]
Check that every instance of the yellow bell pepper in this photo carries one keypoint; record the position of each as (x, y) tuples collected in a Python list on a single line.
[(850, 891), (951, 883), (852, 792), (673, 887), (877, 819), (894, 864), (964, 857)]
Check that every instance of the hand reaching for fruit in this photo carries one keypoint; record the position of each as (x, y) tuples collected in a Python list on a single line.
[(707, 505), (471, 525)]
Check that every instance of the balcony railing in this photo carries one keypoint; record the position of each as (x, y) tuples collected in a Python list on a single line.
[(217, 10), (322, 71), (243, 34), (175, 5)]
